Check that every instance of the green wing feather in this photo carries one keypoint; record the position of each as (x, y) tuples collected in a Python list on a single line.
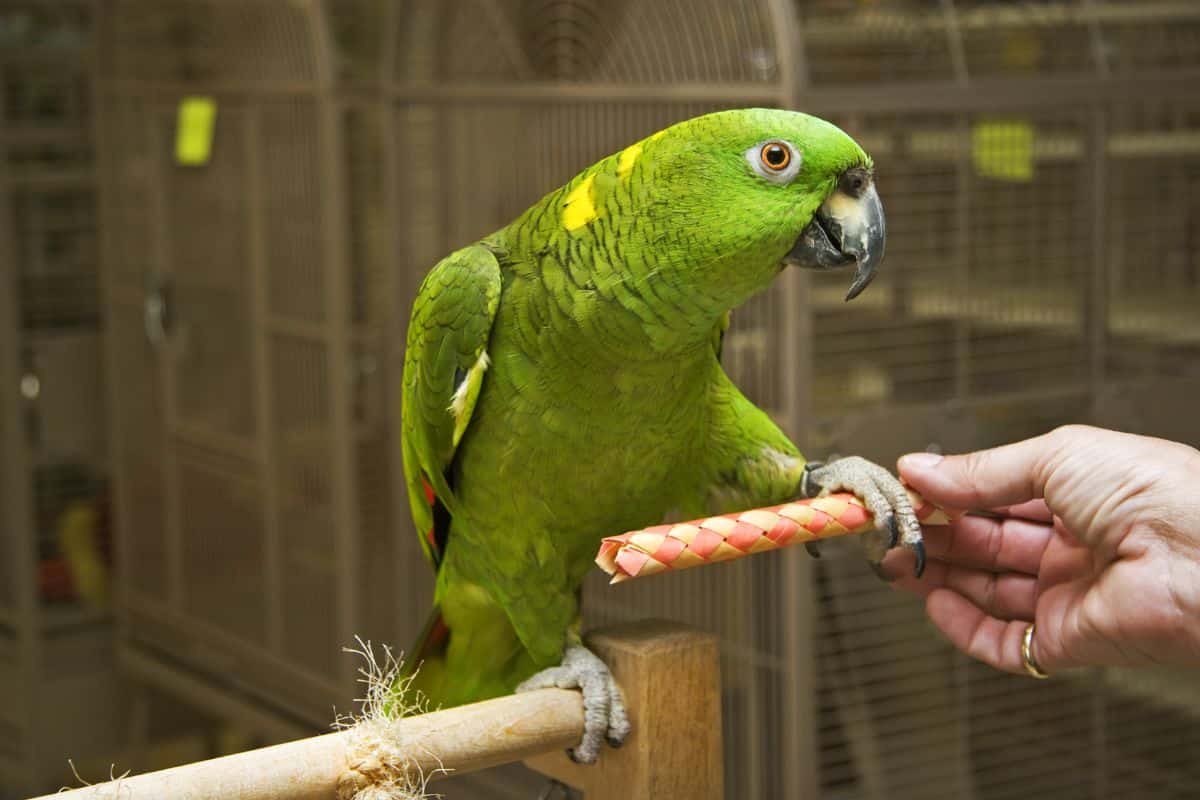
[(444, 366)]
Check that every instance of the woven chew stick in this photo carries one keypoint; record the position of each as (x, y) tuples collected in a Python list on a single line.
[(663, 548)]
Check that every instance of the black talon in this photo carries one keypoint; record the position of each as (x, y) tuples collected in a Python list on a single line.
[(571, 755), (893, 530), (811, 547), (614, 742), (809, 487), (919, 550)]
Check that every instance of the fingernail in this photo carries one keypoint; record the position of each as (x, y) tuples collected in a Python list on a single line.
[(920, 460)]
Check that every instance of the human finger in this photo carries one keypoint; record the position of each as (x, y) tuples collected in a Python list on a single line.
[(998, 545), (1007, 595), (1035, 510), (1001, 476), (985, 638)]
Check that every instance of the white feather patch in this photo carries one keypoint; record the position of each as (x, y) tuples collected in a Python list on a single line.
[(458, 403), (784, 462)]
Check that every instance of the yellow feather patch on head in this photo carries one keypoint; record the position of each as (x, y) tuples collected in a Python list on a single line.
[(580, 207), (627, 159)]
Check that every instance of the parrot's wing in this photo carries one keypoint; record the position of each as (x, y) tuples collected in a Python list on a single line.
[(444, 367)]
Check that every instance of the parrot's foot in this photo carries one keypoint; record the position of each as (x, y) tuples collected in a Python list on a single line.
[(883, 494), (604, 716)]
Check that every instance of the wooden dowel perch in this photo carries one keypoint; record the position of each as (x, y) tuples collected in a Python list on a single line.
[(482, 735), (458, 740)]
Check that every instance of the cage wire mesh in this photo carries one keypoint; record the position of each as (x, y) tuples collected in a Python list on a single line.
[(1015, 277), (51, 203), (1041, 269), (243, 328)]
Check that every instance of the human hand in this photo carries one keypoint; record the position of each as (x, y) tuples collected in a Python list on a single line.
[(1096, 538)]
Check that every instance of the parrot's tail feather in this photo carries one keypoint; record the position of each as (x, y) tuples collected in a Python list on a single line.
[(481, 657), (432, 642), (425, 671)]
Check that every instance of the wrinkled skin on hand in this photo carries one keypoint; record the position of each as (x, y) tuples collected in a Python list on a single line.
[(1096, 537)]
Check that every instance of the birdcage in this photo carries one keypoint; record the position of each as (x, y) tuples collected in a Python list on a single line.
[(278, 177), (1035, 277), (55, 544), (248, 301)]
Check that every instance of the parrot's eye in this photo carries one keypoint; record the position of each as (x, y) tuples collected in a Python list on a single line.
[(775, 156), (776, 160)]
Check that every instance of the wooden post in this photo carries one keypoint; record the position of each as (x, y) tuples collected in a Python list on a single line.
[(670, 675)]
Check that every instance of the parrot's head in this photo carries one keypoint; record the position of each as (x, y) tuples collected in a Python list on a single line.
[(760, 189)]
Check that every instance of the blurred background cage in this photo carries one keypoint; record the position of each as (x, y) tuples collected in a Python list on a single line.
[(1040, 165), (56, 632)]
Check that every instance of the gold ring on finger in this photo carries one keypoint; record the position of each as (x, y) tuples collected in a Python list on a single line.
[(1027, 659)]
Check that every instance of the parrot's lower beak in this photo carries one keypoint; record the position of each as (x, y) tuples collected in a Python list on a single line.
[(848, 228)]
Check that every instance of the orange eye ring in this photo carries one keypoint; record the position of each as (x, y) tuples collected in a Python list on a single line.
[(775, 156)]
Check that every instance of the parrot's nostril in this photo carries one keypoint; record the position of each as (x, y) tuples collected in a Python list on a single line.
[(855, 181)]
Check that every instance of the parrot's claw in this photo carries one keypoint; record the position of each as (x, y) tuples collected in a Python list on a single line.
[(883, 494), (919, 551), (604, 717), (893, 529)]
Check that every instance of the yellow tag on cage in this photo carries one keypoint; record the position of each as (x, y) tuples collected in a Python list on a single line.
[(1003, 150), (194, 131)]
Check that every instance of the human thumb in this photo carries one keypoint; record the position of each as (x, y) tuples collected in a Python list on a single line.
[(1000, 476)]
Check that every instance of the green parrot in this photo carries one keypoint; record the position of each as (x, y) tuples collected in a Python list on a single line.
[(563, 382)]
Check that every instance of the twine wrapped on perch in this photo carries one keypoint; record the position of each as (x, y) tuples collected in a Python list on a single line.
[(663, 548)]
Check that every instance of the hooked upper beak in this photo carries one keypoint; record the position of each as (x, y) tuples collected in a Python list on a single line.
[(848, 228)]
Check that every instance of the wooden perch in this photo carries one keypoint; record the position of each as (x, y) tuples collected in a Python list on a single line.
[(460, 740), (669, 675)]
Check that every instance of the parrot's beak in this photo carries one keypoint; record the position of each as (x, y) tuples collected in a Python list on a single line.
[(848, 228)]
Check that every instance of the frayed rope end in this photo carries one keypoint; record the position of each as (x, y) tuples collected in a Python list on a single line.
[(380, 765)]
